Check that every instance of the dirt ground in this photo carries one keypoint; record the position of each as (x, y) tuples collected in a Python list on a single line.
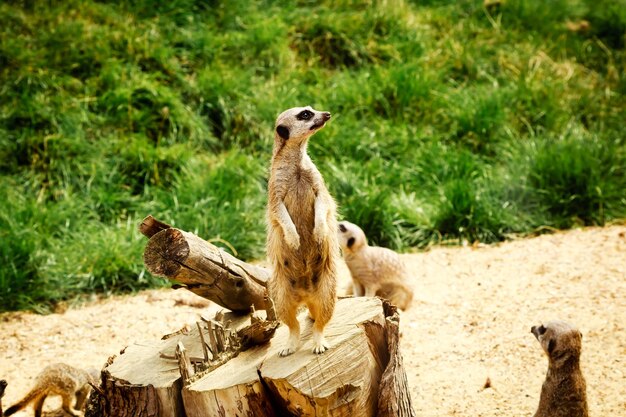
[(470, 322)]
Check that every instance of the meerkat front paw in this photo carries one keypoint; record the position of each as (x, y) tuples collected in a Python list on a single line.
[(319, 231), (293, 239)]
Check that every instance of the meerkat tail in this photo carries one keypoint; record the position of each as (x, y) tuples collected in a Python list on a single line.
[(31, 396)]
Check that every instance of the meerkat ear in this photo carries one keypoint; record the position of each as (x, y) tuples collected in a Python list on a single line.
[(551, 345), (350, 242), (283, 131)]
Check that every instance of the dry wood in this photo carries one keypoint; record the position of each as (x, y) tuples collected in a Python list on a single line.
[(147, 378), (225, 370), (202, 267), (394, 399), (184, 364), (362, 373)]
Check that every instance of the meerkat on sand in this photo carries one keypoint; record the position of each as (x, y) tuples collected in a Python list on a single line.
[(301, 239), (3, 386), (58, 379), (374, 270), (563, 393)]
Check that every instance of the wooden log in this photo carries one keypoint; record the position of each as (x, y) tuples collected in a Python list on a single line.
[(145, 379), (362, 374), (344, 380), (347, 380), (203, 268)]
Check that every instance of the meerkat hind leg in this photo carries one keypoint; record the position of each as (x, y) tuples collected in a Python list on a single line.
[(319, 341), (357, 289), (39, 405), (81, 397), (370, 291), (67, 405), (291, 320)]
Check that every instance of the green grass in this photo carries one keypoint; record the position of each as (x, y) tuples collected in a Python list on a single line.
[(453, 121)]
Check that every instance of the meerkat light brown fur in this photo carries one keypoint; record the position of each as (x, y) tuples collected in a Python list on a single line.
[(374, 270), (58, 379), (3, 386), (301, 240), (563, 393)]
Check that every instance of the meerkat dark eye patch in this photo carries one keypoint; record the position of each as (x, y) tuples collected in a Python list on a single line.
[(283, 131), (342, 228), (304, 115), (350, 242), (541, 329)]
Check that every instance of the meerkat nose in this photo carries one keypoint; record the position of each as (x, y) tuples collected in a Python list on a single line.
[(326, 115)]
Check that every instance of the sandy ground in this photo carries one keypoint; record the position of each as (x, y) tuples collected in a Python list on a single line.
[(470, 322)]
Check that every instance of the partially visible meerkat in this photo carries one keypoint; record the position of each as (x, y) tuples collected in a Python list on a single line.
[(58, 379), (374, 270), (301, 239), (563, 393), (3, 386)]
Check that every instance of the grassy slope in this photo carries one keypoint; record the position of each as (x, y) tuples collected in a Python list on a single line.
[(452, 120)]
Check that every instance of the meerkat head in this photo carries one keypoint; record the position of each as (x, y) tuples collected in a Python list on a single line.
[(559, 340), (296, 125), (351, 237)]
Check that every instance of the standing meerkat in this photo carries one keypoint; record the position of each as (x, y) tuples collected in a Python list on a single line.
[(374, 270), (58, 379), (563, 393), (301, 239)]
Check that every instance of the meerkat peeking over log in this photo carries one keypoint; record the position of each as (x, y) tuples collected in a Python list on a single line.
[(374, 270), (563, 393), (301, 239), (58, 379)]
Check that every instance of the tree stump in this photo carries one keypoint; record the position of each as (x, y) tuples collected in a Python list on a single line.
[(229, 365)]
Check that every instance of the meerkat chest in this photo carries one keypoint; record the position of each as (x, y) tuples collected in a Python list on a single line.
[(300, 192), (360, 267)]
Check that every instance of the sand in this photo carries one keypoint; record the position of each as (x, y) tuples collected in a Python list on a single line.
[(470, 322)]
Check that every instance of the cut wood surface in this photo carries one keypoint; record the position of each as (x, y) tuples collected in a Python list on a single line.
[(344, 381), (202, 267), (145, 379)]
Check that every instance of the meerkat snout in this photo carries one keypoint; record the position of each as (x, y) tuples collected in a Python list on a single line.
[(300, 123), (538, 331)]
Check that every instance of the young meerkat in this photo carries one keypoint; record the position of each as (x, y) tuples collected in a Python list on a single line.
[(58, 379), (374, 270), (563, 393), (301, 239)]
